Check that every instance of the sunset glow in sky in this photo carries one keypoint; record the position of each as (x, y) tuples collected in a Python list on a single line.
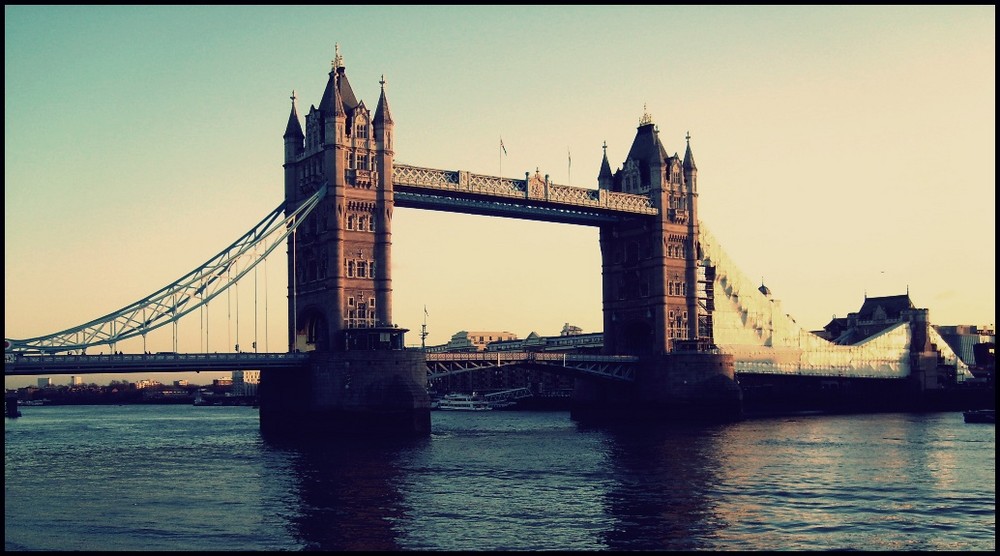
[(842, 151)]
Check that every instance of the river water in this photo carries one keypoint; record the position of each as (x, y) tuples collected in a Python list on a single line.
[(169, 477)]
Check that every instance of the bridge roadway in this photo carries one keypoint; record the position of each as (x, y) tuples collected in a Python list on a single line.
[(160, 362), (613, 367)]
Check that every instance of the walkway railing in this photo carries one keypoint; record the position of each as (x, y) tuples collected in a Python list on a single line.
[(533, 189)]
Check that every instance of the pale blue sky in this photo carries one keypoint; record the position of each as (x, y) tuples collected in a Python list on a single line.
[(842, 150)]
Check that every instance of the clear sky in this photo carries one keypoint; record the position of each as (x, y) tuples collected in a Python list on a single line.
[(842, 151)]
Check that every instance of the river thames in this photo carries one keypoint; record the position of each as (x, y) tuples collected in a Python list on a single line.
[(179, 477)]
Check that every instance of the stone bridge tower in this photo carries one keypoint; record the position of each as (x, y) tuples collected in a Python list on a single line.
[(339, 258), (657, 296), (360, 378)]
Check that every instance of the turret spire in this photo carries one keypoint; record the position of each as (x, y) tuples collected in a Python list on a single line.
[(338, 60), (605, 177), (646, 118), (688, 155), (293, 129), (382, 115)]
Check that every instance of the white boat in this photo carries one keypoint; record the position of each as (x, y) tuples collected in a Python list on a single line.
[(463, 402)]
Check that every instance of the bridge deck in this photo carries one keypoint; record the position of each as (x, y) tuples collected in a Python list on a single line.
[(160, 362)]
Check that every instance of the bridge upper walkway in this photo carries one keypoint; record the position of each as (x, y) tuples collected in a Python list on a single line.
[(533, 198)]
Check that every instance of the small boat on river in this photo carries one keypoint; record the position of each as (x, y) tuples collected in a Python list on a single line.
[(463, 402)]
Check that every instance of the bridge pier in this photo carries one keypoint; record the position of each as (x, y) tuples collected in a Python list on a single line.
[(677, 387), (363, 391)]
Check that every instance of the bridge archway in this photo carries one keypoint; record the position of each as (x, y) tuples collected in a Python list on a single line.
[(313, 332)]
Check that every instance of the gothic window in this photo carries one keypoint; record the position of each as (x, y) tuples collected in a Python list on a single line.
[(350, 301), (632, 253), (350, 221), (350, 269), (630, 178), (371, 270), (371, 302), (362, 222), (671, 288), (362, 269), (371, 224)]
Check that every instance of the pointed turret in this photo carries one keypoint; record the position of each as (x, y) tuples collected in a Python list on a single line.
[(294, 138), (382, 115), (646, 146), (645, 161), (338, 97), (688, 156), (294, 128), (690, 169), (605, 179)]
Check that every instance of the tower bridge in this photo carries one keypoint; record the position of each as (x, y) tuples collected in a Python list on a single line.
[(680, 319)]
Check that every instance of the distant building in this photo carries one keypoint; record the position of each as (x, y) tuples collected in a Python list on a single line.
[(180, 383), (570, 330), (876, 314), (576, 341), (571, 338), (44, 382), (963, 340), (222, 382), (465, 341), (245, 383), (76, 381)]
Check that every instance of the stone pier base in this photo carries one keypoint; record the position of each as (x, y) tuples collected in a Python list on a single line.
[(374, 393), (684, 386)]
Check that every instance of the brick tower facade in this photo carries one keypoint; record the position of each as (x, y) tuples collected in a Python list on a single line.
[(657, 296), (339, 258)]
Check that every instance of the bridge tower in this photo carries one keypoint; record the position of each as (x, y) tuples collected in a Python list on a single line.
[(339, 275), (657, 296)]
